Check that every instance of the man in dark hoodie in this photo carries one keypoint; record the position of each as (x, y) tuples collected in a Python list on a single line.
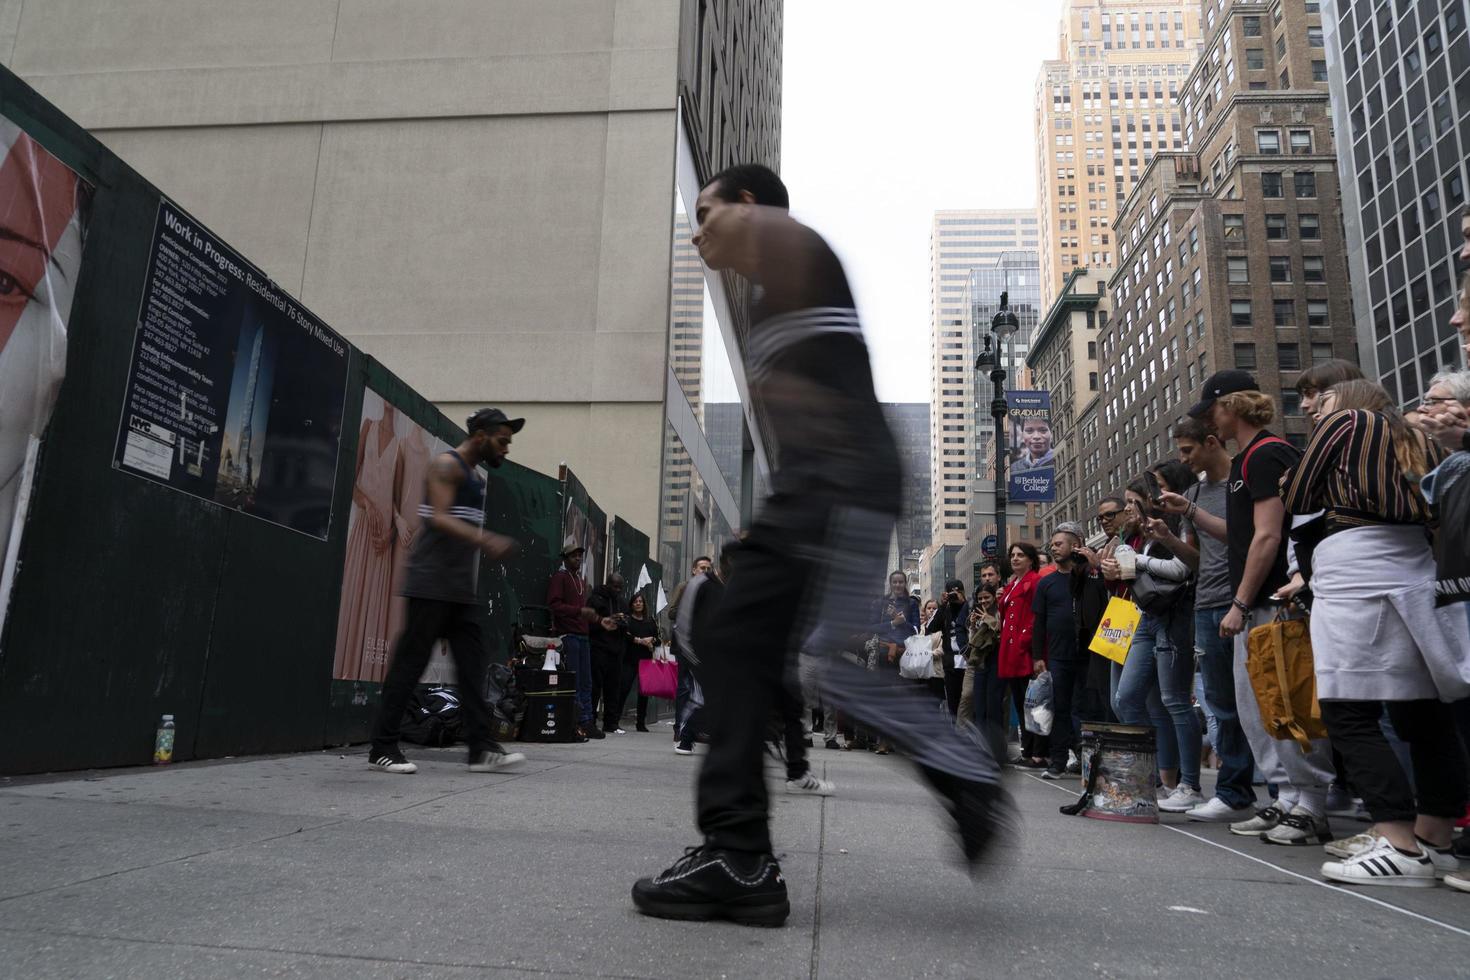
[(608, 638), (1068, 605)]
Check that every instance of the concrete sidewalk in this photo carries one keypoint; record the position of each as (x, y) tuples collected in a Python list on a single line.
[(314, 866)]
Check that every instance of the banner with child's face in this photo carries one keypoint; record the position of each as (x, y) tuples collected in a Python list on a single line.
[(1033, 462), (43, 208)]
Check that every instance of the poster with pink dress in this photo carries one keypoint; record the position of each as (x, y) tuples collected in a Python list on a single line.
[(393, 455)]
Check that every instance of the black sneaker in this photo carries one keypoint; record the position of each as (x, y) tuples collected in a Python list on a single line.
[(684, 746), (592, 731), (832, 743), (982, 812), (712, 884), (1054, 774), (393, 762), (493, 759)]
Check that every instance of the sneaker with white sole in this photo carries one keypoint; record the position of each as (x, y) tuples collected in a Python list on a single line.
[(1261, 824), (686, 747), (1347, 847), (1299, 828), (1383, 864), (1458, 880), (1216, 810), (491, 760), (393, 762), (811, 786), (1182, 800), (1443, 858), (615, 731)]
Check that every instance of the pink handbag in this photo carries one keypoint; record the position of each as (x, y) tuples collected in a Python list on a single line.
[(658, 679)]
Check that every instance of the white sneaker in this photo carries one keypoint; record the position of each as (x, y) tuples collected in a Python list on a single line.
[(490, 761), (1182, 800), (1382, 864), (811, 785), (1216, 810), (615, 731), (393, 762), (1458, 880), (1347, 847), (1444, 860), (1299, 828), (1261, 824)]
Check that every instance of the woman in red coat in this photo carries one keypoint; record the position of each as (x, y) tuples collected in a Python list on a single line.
[(1016, 666)]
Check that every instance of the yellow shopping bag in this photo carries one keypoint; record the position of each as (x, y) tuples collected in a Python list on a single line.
[(1115, 632)]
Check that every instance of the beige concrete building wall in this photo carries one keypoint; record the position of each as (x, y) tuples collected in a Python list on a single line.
[(477, 192), (1103, 107)]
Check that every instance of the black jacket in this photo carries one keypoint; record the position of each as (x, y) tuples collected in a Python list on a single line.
[(606, 602), (1069, 607)]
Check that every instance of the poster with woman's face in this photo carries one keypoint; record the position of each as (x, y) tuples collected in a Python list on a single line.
[(1033, 458), (43, 207)]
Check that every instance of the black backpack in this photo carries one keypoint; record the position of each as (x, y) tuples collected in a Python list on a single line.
[(433, 717)]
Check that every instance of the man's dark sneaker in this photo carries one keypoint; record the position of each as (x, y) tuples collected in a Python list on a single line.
[(684, 747), (807, 741), (391, 762), (592, 731), (707, 883), (642, 728), (1054, 773), (832, 743), (982, 812)]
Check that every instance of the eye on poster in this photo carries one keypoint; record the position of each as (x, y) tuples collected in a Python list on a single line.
[(235, 392), (1033, 467), (43, 223)]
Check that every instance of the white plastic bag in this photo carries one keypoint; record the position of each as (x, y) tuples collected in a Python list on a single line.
[(917, 662), (1038, 704)]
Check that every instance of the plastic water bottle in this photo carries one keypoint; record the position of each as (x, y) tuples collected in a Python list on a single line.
[(163, 743)]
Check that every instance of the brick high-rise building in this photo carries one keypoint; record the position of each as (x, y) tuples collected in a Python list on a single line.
[(1230, 254), (1103, 107), (1400, 78)]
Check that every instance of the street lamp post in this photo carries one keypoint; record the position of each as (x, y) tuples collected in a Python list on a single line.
[(1002, 325)]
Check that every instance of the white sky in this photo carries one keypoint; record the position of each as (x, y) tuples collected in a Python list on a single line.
[(892, 112)]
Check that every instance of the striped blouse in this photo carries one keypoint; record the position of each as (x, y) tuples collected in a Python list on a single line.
[(1350, 471)]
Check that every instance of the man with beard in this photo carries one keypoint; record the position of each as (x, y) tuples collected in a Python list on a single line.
[(439, 582)]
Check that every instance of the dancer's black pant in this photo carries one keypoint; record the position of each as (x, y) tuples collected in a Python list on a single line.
[(744, 666), (429, 620), (1068, 699), (607, 684), (1377, 774)]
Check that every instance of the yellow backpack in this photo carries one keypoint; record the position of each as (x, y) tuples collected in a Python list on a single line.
[(1283, 676)]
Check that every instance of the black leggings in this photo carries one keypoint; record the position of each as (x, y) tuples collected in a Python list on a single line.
[(1375, 772)]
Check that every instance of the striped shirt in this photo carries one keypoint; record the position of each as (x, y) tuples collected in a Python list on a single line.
[(442, 566), (1350, 471)]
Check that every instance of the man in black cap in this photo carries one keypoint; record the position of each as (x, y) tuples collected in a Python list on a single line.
[(1255, 527), (439, 582)]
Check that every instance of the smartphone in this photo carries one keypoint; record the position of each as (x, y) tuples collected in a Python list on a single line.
[(1155, 492)]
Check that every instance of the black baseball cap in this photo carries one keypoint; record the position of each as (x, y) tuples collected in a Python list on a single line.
[(491, 418), (1222, 383)]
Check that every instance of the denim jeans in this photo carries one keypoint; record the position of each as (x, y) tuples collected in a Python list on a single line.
[(577, 656), (1152, 687), (1216, 657)]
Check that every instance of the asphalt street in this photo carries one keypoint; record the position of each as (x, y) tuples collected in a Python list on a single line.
[(313, 866)]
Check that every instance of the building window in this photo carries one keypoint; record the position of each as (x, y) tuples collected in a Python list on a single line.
[(1283, 312), (1239, 269), (1288, 357), (1268, 141), (1319, 71), (1306, 183), (1313, 269), (1275, 227), (1092, 381), (1321, 352), (1314, 37), (1250, 26), (1240, 313), (1280, 268), (1235, 228), (1245, 357), (1291, 401), (1271, 185), (1301, 141), (1255, 58), (1317, 317), (1308, 226)]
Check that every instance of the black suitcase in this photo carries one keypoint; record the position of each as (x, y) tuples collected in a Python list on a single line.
[(550, 717)]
